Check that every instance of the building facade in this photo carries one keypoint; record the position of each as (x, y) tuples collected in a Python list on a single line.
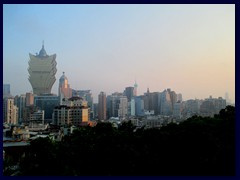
[(123, 107), (117, 105), (167, 100), (29, 99), (132, 107), (37, 116), (87, 96), (20, 102), (139, 105), (129, 92), (11, 112), (74, 111), (47, 103), (102, 106), (177, 110), (211, 106)]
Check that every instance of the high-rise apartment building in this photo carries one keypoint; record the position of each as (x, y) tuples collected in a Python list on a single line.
[(11, 112), (192, 107), (173, 97), (74, 111), (123, 107), (211, 106), (166, 103), (102, 106), (42, 70), (117, 105), (87, 96)]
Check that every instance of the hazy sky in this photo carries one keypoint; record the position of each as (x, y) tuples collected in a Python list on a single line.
[(188, 48)]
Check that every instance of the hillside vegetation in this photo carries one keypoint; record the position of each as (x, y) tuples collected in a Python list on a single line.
[(197, 146)]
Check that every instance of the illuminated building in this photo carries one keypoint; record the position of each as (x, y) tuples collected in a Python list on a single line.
[(64, 90), (73, 111)]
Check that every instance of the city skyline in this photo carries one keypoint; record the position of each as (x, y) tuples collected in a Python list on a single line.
[(188, 48)]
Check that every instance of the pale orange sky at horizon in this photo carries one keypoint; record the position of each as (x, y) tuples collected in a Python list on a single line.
[(188, 48)]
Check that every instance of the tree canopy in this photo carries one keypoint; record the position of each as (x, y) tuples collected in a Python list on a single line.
[(197, 146)]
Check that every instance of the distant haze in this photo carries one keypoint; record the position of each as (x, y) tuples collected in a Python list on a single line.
[(188, 48)]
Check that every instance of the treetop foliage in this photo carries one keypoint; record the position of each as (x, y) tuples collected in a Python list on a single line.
[(197, 146)]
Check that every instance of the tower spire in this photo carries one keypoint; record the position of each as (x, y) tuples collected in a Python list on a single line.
[(135, 88), (42, 52), (135, 84)]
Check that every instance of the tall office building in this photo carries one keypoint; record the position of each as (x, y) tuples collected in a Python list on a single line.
[(166, 101), (139, 105), (154, 99), (102, 106), (20, 102), (147, 100), (132, 107), (6, 90), (129, 92), (42, 70), (64, 90), (123, 107)]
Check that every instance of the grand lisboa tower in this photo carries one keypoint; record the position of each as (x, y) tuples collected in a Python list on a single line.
[(42, 70)]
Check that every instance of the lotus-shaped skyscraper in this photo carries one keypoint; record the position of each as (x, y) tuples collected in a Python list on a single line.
[(42, 70)]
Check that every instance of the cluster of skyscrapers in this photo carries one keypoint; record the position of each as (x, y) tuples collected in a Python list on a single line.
[(76, 106)]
